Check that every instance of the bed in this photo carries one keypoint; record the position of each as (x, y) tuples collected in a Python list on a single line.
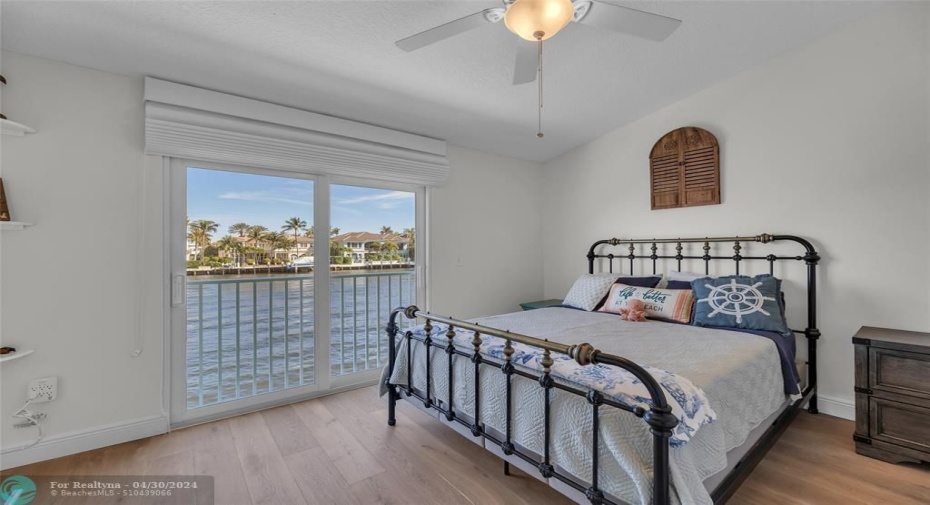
[(611, 411)]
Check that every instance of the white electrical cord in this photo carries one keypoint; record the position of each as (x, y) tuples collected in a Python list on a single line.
[(30, 418), (140, 281)]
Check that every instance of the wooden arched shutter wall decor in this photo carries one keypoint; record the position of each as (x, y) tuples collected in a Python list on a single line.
[(684, 169)]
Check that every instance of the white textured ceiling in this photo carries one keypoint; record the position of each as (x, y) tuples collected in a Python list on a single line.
[(339, 58)]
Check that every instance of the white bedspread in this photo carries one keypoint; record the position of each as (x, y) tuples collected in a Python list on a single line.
[(739, 373)]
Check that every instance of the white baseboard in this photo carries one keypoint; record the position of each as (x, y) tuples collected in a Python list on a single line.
[(836, 407), (64, 444)]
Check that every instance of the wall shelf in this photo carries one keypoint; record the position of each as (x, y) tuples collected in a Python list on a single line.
[(16, 355), (13, 225), (8, 127)]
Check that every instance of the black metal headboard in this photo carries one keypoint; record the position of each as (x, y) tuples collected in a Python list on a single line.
[(599, 250)]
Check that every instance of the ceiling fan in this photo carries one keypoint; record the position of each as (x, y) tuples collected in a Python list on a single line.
[(538, 20)]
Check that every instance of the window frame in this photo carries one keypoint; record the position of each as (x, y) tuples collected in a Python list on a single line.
[(175, 246)]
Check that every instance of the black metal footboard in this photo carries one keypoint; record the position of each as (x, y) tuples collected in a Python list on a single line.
[(659, 417)]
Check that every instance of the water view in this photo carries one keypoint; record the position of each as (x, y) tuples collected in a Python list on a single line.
[(254, 334), (252, 250)]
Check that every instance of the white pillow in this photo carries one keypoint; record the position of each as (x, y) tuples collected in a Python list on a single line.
[(686, 276), (589, 290)]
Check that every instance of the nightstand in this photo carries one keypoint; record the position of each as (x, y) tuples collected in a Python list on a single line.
[(892, 394), (541, 304)]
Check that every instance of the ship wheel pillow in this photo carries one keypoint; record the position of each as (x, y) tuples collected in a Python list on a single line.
[(739, 301)]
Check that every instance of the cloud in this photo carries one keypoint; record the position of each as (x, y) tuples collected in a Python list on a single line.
[(391, 198), (269, 195)]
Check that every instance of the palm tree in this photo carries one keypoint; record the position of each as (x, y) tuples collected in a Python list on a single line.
[(386, 230), (276, 240), (239, 229), (309, 232), (240, 250), (255, 235), (374, 247), (294, 224), (389, 248), (411, 235), (333, 231), (227, 243), (201, 231)]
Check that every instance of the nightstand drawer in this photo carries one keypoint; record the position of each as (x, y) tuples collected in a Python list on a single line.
[(900, 423), (893, 371)]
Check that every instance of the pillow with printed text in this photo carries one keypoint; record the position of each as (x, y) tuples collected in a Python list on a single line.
[(668, 304)]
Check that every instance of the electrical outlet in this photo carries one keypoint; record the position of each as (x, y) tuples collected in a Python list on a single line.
[(43, 390)]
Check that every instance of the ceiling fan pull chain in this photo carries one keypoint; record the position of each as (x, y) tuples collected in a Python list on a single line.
[(539, 69)]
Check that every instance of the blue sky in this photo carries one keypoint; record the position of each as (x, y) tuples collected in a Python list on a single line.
[(232, 197)]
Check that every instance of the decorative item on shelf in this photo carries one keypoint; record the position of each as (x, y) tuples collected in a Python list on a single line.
[(8, 127), (9, 354), (4, 208), (684, 169)]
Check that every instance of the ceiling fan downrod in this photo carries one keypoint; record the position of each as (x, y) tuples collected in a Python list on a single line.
[(539, 70)]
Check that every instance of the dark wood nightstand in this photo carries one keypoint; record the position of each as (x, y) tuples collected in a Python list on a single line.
[(541, 304), (892, 394)]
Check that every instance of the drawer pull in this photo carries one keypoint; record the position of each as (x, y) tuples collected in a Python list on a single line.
[(863, 390)]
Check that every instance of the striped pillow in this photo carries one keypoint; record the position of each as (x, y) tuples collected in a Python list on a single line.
[(668, 304)]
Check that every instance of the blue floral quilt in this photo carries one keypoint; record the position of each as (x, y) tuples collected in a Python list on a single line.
[(689, 403)]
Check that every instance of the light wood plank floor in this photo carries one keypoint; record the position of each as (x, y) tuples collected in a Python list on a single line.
[(339, 450)]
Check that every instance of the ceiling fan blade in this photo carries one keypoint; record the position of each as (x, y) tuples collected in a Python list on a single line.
[(631, 21), (527, 61), (444, 31)]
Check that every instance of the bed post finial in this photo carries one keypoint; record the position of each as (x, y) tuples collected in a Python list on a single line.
[(546, 361), (476, 342), (582, 353), (508, 350)]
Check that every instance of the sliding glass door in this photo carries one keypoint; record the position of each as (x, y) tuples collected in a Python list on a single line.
[(373, 257), (281, 284)]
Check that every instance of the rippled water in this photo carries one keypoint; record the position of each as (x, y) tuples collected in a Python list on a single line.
[(269, 340)]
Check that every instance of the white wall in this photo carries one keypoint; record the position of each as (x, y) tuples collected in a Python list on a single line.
[(71, 284), (829, 142), (485, 226)]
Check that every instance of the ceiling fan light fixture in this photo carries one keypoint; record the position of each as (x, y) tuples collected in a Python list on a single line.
[(529, 18)]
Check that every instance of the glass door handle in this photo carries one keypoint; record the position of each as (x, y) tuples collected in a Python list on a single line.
[(178, 287)]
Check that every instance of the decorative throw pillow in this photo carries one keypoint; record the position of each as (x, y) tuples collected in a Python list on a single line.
[(739, 301), (588, 290), (629, 280), (673, 284), (669, 304)]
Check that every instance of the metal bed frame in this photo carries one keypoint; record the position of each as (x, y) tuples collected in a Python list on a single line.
[(658, 416)]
